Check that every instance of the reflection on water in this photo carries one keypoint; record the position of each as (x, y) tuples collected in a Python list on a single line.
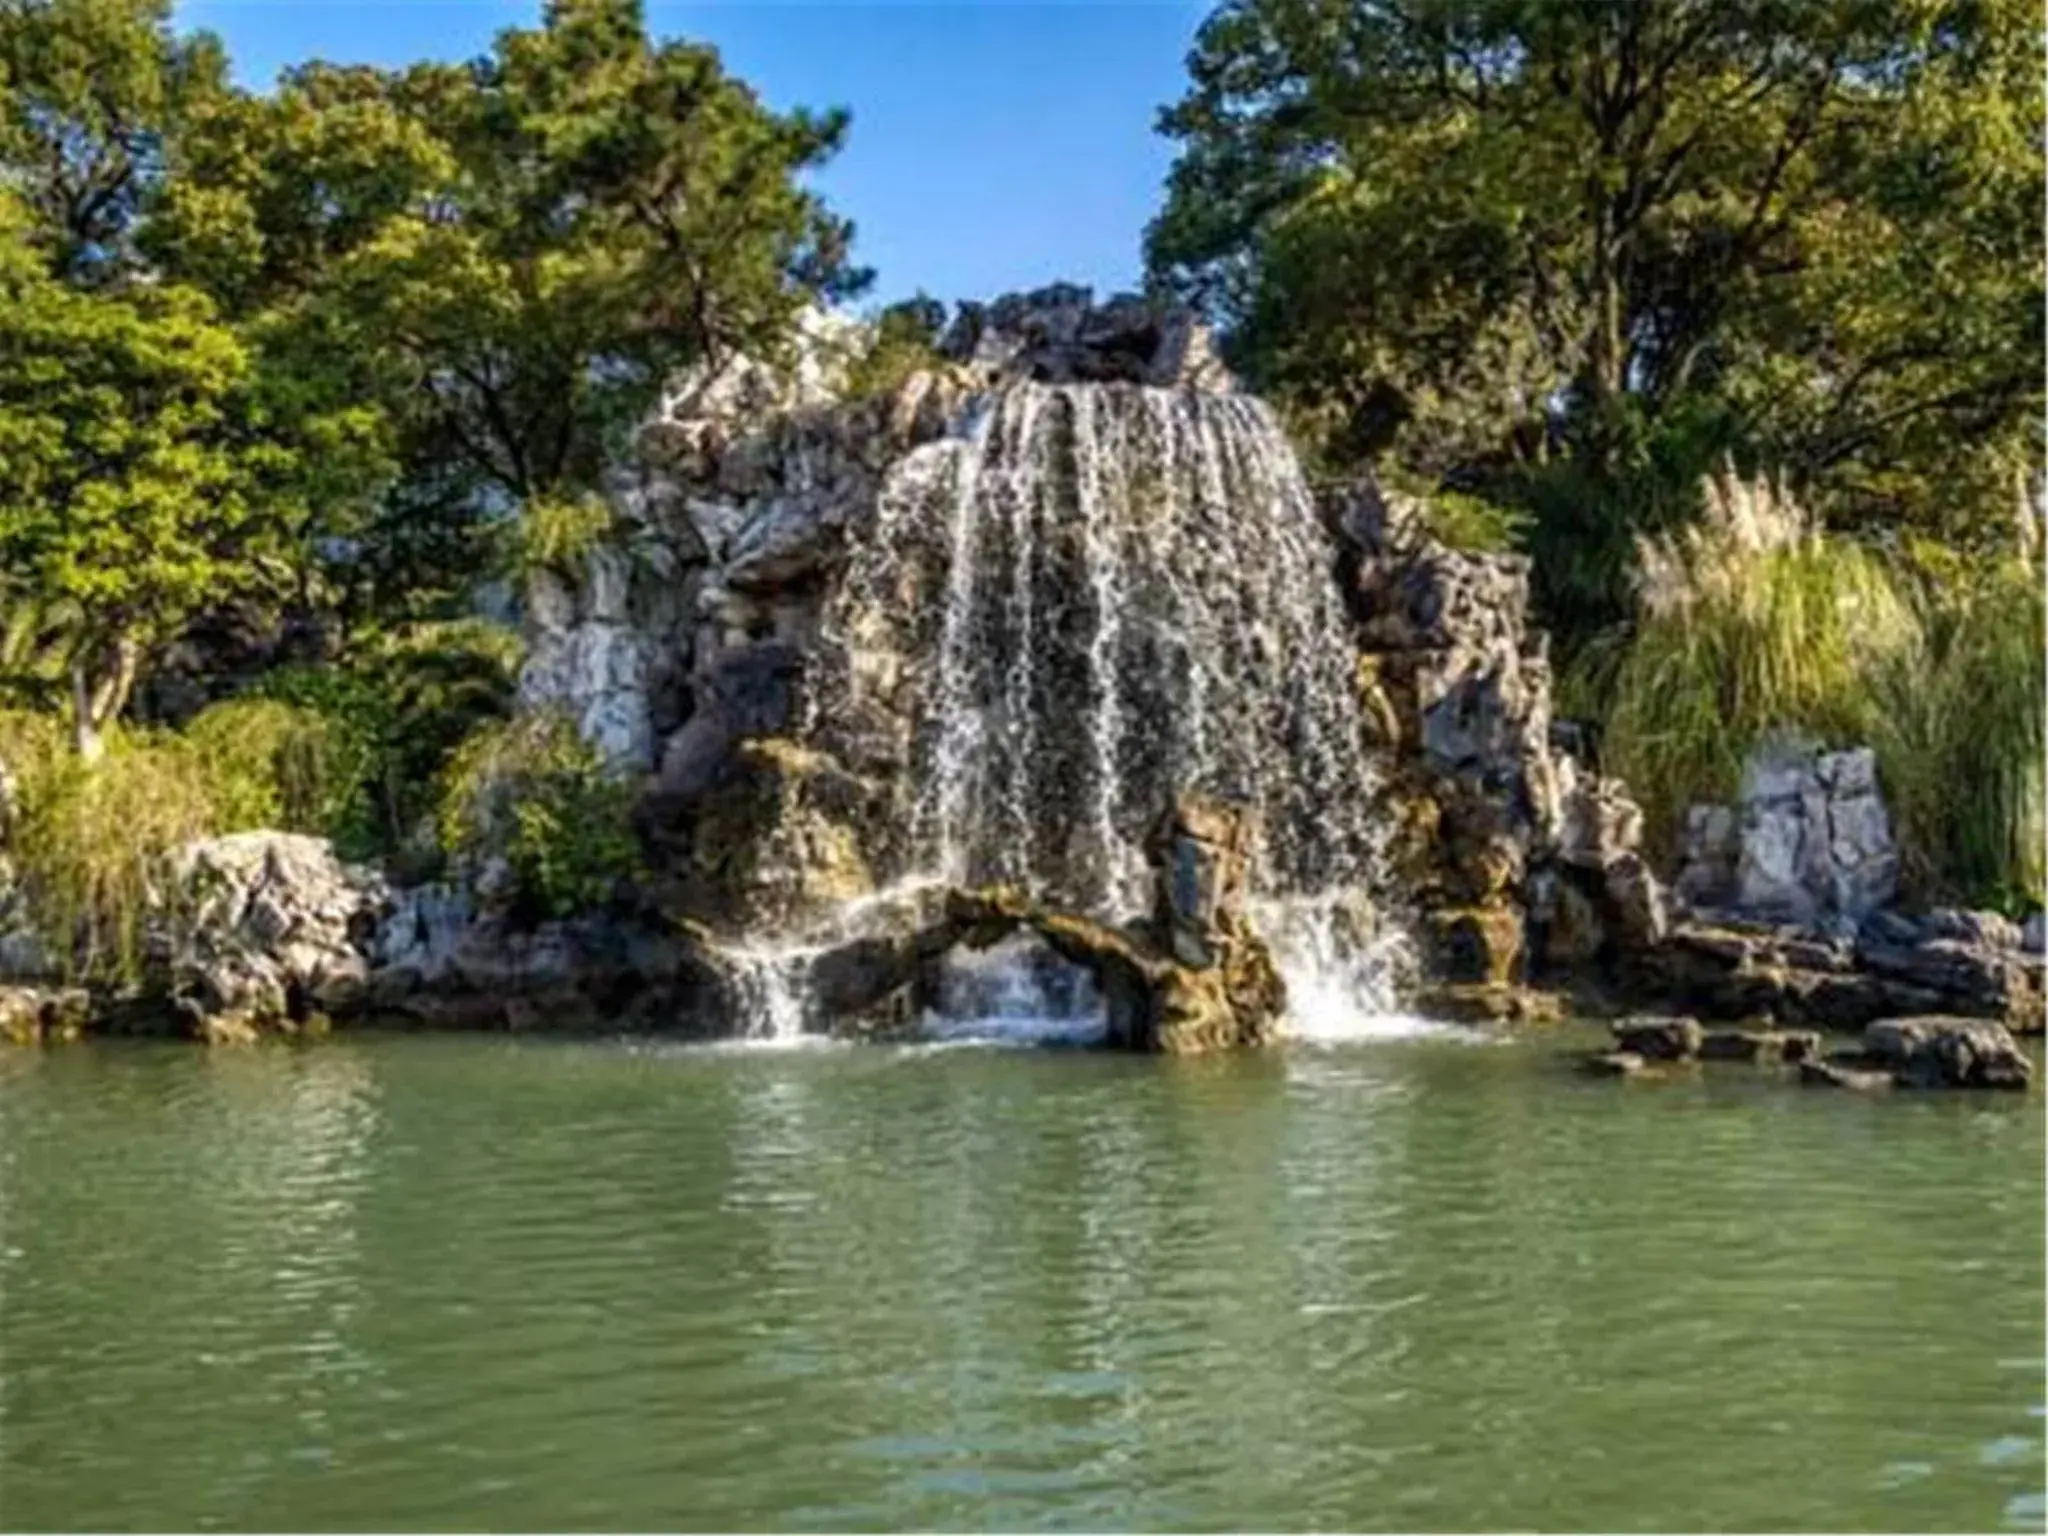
[(1398, 1285)]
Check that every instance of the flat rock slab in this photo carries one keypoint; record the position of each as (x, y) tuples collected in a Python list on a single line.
[(1828, 1074), (1612, 1064)]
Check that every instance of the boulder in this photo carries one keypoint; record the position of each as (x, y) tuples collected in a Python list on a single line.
[(1808, 843), (1658, 1039), (1613, 1064), (1059, 335), (1936, 1051), (1476, 944), (270, 933), (1737, 969), (35, 1015)]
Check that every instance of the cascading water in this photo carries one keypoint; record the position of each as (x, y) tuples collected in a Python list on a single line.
[(1092, 598)]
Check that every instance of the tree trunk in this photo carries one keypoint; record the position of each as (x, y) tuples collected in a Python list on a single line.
[(101, 680)]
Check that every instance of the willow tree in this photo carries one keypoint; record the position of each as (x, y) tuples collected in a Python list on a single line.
[(1571, 254)]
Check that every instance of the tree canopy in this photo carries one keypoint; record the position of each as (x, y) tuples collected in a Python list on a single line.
[(1569, 255), (327, 341)]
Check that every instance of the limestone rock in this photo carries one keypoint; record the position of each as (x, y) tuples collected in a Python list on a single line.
[(272, 932), (1810, 842), (1059, 335), (1832, 1074), (1759, 1045), (1613, 1064)]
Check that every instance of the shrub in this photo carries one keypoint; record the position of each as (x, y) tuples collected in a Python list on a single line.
[(270, 764), (92, 845), (901, 340), (396, 708), (1962, 739), (555, 533), (532, 791), (1753, 621), (1746, 623)]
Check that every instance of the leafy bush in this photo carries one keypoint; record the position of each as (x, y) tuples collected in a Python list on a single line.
[(397, 707), (533, 792), (270, 764), (902, 341)]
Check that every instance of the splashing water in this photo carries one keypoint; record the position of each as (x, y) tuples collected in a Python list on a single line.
[(1093, 598)]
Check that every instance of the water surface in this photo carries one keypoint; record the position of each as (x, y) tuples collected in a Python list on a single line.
[(398, 1283)]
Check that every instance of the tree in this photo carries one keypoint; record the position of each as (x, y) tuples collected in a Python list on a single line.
[(124, 496), (520, 250), (1571, 254), (90, 93)]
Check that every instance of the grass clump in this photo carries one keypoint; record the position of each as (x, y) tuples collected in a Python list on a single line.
[(1753, 621), (557, 533), (94, 844), (533, 792), (269, 764), (1962, 737)]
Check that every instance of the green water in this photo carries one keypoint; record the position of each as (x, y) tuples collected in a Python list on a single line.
[(467, 1283)]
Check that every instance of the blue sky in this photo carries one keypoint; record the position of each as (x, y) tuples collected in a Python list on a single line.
[(994, 146)]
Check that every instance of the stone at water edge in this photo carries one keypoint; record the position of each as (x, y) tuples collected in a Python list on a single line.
[(276, 934), (1613, 1064), (1936, 1051), (1490, 1003), (39, 1015), (1829, 1074), (1659, 1039)]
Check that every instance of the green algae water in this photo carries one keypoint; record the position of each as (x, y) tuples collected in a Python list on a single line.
[(444, 1283)]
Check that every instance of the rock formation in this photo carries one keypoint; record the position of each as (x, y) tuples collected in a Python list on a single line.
[(1809, 843)]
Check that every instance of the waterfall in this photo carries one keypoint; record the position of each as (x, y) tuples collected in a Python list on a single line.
[(1090, 598)]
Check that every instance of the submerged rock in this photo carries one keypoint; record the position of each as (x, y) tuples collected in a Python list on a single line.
[(1613, 1064), (1759, 1045)]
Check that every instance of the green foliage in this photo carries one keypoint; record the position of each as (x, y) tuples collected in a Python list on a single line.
[(397, 707), (124, 502), (556, 533), (317, 345), (509, 257), (269, 764), (1961, 735), (93, 843), (1570, 255), (1794, 644), (532, 791), (903, 341), (1752, 622)]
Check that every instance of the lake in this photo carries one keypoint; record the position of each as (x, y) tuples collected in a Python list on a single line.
[(393, 1282)]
